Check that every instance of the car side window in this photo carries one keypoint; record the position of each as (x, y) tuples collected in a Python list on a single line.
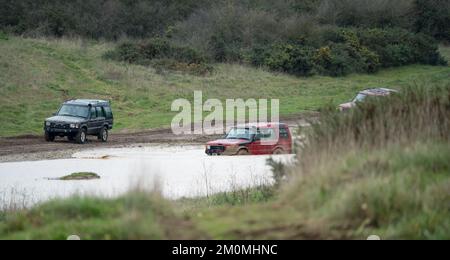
[(284, 133), (266, 134), (93, 113), (108, 112), (100, 112)]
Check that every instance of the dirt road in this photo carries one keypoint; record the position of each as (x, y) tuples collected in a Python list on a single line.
[(32, 148)]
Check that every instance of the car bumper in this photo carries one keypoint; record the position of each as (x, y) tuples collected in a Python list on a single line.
[(225, 151), (57, 131)]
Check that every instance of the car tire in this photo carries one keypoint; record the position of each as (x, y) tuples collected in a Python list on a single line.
[(103, 135), (81, 137), (278, 151), (49, 137), (243, 152)]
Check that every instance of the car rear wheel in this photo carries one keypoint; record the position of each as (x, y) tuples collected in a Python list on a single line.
[(81, 136), (103, 135), (243, 152), (49, 137), (278, 151)]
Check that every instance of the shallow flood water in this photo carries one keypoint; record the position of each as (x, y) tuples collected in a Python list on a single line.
[(177, 171)]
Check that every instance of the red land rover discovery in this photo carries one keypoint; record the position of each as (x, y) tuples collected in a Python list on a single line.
[(257, 139)]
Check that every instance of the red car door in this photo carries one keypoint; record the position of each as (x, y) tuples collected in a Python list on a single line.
[(285, 139), (264, 142)]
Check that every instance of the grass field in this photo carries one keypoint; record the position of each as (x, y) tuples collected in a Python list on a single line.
[(36, 75)]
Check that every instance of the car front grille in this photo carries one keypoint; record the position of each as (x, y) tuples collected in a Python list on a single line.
[(217, 148), (60, 126)]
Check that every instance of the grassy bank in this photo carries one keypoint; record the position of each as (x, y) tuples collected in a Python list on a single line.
[(37, 75), (381, 169)]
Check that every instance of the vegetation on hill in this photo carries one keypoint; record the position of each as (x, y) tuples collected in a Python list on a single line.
[(302, 37)]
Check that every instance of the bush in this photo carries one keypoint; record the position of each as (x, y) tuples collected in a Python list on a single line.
[(109, 19), (367, 13), (433, 18), (294, 59), (161, 54), (345, 54), (199, 69), (3, 36), (344, 51), (398, 47)]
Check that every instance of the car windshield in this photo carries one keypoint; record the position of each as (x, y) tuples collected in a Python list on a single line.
[(360, 98), (75, 111), (240, 133)]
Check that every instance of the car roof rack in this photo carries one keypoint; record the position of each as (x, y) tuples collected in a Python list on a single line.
[(378, 91), (86, 102)]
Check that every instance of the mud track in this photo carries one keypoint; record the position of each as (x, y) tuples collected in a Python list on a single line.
[(33, 147)]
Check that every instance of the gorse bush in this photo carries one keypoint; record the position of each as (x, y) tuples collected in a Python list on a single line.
[(288, 58), (344, 51), (397, 47), (161, 54)]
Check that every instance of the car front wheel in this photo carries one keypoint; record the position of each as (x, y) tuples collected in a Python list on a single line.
[(49, 137), (243, 152), (81, 136)]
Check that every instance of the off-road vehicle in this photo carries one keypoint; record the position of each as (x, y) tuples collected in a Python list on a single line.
[(79, 118), (365, 95), (253, 139)]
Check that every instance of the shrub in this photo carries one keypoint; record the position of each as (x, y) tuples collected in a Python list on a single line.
[(367, 13), (199, 69), (109, 19), (344, 51), (161, 54), (3, 36), (290, 58), (400, 47), (433, 18)]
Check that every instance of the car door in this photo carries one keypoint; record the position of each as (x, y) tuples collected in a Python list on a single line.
[(93, 122), (255, 146), (101, 118), (109, 116), (262, 143), (285, 140)]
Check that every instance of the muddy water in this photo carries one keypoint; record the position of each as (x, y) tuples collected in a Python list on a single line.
[(177, 171)]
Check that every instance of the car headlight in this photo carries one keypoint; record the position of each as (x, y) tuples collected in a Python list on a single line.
[(208, 147), (74, 126), (47, 123)]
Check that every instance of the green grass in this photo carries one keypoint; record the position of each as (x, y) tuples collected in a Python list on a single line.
[(37, 75), (80, 176), (135, 216)]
